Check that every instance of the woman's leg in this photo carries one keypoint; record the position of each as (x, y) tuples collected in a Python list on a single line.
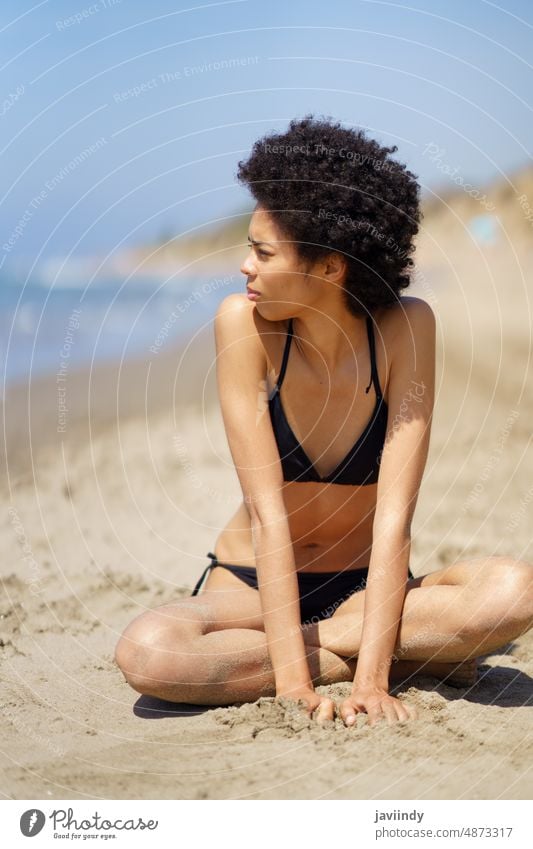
[(464, 610), (211, 649)]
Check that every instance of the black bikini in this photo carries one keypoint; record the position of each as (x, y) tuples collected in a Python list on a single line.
[(322, 592), (361, 465)]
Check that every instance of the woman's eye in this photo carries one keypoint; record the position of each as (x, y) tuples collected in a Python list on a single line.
[(258, 250)]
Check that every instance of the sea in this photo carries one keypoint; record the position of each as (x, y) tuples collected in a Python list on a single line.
[(44, 328)]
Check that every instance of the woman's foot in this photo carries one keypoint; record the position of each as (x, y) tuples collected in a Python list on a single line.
[(463, 674)]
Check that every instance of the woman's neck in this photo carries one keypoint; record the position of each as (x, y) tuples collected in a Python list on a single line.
[(327, 339)]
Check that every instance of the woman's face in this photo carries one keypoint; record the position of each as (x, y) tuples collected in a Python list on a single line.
[(274, 269)]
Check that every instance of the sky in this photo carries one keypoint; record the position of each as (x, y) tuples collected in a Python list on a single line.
[(124, 120)]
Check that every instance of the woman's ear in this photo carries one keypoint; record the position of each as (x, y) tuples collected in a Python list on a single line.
[(335, 267)]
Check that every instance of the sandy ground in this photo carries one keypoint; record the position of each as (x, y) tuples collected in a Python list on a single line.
[(116, 515)]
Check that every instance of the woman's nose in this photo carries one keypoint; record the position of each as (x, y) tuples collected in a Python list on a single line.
[(247, 266)]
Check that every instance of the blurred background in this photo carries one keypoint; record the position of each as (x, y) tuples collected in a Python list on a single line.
[(122, 125)]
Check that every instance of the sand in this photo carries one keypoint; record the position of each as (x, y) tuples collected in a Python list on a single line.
[(116, 515)]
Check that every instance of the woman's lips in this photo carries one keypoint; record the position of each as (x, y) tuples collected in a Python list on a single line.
[(252, 294)]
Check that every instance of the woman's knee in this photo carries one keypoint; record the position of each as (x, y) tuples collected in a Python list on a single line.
[(155, 643), (504, 587), (515, 590)]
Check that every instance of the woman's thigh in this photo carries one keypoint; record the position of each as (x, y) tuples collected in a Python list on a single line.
[(356, 602), (230, 603), (227, 602), (217, 607), (464, 573)]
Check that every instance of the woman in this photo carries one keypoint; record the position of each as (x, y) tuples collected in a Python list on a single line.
[(310, 581)]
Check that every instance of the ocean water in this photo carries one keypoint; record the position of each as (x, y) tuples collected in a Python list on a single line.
[(47, 329)]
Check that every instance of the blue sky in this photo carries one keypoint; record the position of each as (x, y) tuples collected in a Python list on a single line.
[(167, 97)]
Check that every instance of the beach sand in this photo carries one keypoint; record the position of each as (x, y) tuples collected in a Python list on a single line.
[(117, 513)]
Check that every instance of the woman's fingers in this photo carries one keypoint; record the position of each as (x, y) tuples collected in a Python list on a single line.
[(375, 713), (319, 708), (393, 710), (410, 710), (322, 709), (325, 712), (348, 712)]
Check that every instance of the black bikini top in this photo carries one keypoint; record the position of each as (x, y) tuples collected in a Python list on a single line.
[(361, 464)]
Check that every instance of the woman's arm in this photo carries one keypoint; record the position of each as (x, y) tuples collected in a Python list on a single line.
[(384, 598), (410, 406), (280, 604), (241, 380)]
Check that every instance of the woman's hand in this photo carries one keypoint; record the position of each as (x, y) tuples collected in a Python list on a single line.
[(320, 708), (378, 704)]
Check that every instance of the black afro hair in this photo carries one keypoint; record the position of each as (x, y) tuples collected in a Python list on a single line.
[(330, 188)]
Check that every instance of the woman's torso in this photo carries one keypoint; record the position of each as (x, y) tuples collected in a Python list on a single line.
[(330, 524)]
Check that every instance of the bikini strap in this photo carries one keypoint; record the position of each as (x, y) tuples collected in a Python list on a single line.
[(214, 562), (285, 356), (373, 367), (374, 378)]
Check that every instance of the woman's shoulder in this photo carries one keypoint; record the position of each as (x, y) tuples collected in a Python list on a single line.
[(260, 342), (403, 332), (236, 303), (243, 319), (409, 316), (246, 313), (407, 308), (407, 330)]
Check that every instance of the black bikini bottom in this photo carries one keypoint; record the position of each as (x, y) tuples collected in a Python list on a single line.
[(321, 593)]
